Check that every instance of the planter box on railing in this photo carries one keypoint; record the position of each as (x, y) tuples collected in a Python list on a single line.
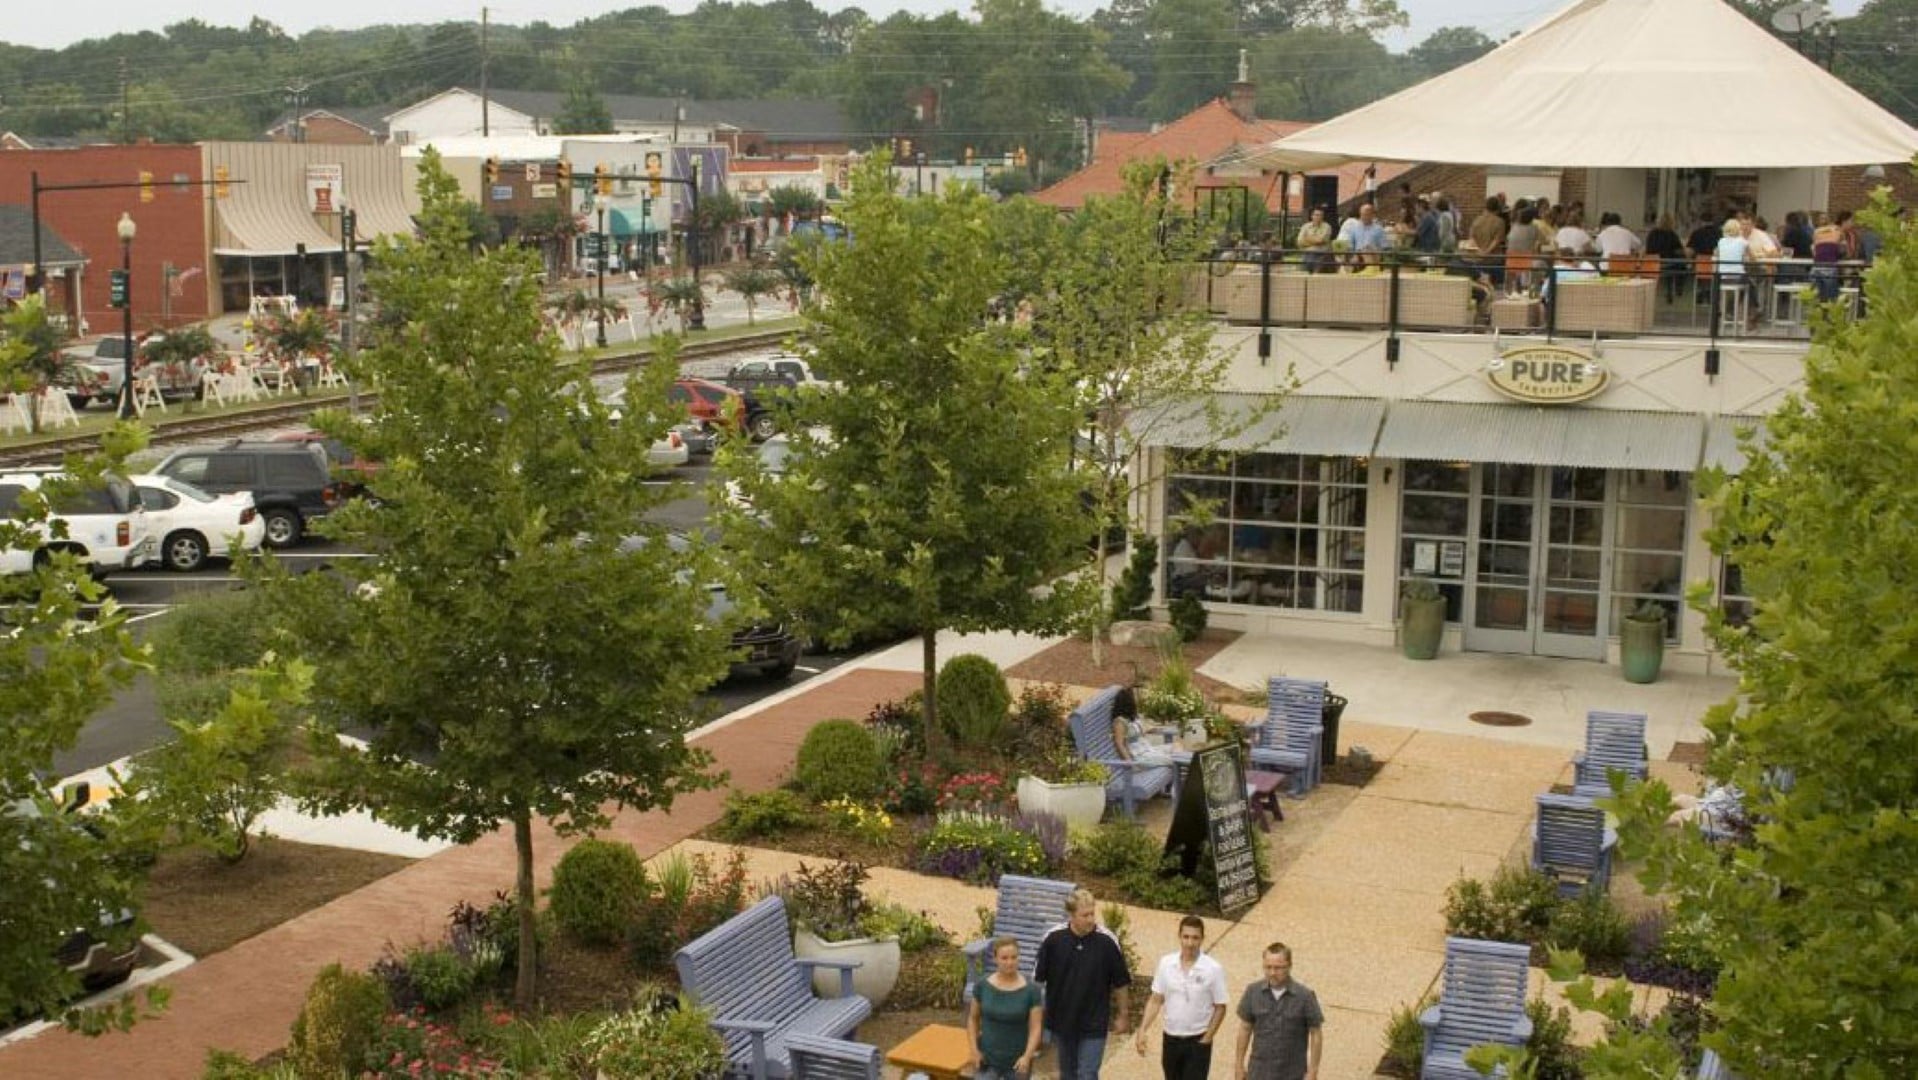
[(1435, 300), (1607, 305)]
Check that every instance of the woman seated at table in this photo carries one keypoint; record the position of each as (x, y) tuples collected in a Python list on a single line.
[(1732, 254), (1130, 736), (1827, 249)]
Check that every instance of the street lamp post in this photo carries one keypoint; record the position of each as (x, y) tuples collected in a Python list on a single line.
[(602, 273), (698, 319), (126, 230)]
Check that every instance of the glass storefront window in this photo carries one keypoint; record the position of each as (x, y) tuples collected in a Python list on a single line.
[(1648, 544), (1280, 530), (1435, 511)]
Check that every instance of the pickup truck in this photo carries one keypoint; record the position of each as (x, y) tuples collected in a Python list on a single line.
[(782, 371), (96, 371)]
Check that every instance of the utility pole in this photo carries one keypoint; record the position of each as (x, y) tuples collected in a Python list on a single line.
[(296, 100), (348, 223), (126, 104), (486, 110)]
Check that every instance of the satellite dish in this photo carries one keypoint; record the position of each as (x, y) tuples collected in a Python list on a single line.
[(1800, 17)]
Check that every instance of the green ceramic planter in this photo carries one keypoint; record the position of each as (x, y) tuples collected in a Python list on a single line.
[(1421, 627), (1641, 648)]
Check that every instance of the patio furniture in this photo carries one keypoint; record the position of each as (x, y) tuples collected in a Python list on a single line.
[(1712, 1067), (1605, 305), (938, 1050), (1358, 299), (1481, 1000), (1435, 300), (1028, 908), (1571, 844), (1295, 722), (1128, 783), (744, 972), (816, 1057), (1613, 740), (1517, 313), (1263, 789)]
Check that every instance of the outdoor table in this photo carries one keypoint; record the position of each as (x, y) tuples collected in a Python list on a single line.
[(1264, 790), (938, 1050)]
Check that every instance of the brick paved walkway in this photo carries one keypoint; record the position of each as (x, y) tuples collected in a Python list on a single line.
[(245, 999)]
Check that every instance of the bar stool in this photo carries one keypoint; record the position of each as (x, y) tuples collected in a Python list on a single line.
[(1790, 298), (1733, 296), (1849, 296)]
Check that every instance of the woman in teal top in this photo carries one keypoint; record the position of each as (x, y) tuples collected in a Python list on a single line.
[(1003, 1020)]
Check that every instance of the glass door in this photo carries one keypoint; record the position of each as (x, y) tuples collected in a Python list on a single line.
[(1538, 574)]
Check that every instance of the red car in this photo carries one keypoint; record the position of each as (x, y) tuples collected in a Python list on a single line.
[(716, 405)]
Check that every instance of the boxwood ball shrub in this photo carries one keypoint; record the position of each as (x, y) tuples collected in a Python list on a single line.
[(340, 1019), (839, 760), (598, 889), (973, 700)]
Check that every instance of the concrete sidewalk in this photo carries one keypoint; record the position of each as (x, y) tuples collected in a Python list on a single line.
[(1360, 873)]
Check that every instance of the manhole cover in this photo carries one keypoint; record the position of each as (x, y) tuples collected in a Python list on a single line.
[(1500, 719)]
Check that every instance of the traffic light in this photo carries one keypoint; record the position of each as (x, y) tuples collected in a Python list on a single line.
[(967, 156), (492, 170), (146, 186), (222, 189), (117, 288), (564, 172), (905, 150), (1019, 157), (603, 179), (654, 188)]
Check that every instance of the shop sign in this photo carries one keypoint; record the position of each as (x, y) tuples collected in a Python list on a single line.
[(1547, 374), (324, 188)]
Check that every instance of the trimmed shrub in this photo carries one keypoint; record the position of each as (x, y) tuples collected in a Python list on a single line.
[(1517, 905), (598, 889), (839, 760), (1188, 617), (1133, 591), (657, 1044), (340, 1019), (973, 700), (1117, 848), (752, 814), (1593, 925), (1553, 1055), (441, 977)]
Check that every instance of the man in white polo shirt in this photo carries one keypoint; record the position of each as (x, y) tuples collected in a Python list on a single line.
[(1189, 987)]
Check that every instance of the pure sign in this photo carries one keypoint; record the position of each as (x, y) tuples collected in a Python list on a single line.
[(1547, 375)]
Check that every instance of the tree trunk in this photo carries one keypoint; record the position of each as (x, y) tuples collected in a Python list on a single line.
[(929, 643), (526, 983)]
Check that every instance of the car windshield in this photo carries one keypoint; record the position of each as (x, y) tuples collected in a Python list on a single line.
[(189, 491)]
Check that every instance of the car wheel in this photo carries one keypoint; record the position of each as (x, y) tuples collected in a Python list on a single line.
[(79, 401), (184, 551), (779, 670), (762, 426), (283, 527)]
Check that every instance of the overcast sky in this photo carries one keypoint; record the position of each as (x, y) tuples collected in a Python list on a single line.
[(52, 25)]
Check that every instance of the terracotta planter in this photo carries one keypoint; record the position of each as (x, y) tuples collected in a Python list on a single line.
[(1079, 805), (873, 979)]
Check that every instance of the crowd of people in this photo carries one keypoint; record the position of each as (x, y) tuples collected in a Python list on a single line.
[(1739, 244), (1085, 1002)]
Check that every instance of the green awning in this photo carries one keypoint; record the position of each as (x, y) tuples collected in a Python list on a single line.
[(631, 223)]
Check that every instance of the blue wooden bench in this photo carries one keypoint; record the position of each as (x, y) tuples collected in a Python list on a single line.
[(815, 1057), (1571, 844), (743, 971), (1293, 733), (1482, 1000), (1128, 783), (1028, 909), (1712, 1067), (1613, 741)]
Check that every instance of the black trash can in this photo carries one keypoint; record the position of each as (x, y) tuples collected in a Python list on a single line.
[(1329, 740)]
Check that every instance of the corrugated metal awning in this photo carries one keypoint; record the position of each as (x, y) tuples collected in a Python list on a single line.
[(1721, 441), (1530, 435), (270, 214), (1301, 424)]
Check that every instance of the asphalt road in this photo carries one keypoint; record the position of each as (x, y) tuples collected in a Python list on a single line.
[(131, 722)]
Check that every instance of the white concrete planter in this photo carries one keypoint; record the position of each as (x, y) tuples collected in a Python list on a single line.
[(873, 979), (1080, 804)]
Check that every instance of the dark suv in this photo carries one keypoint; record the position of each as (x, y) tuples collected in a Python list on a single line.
[(290, 482)]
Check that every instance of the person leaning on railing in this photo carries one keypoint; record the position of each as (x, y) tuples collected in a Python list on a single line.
[(1315, 240)]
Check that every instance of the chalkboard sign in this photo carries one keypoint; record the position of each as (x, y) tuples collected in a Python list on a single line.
[(1214, 809)]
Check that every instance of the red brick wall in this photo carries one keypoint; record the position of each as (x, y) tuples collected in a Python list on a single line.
[(1465, 184), (330, 130), (1850, 190), (172, 227)]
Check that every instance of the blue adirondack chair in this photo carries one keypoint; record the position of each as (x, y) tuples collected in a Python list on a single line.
[(816, 1057), (1128, 783), (1482, 1000), (1712, 1067), (1028, 908), (1571, 844), (1613, 740), (1291, 737)]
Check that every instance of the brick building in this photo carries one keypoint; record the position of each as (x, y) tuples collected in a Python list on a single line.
[(170, 279)]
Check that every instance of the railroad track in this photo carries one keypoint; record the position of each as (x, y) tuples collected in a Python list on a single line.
[(279, 414)]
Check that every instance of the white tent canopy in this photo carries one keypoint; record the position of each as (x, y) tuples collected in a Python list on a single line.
[(1618, 84)]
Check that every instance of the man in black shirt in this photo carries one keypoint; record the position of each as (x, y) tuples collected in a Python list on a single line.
[(1703, 242), (1085, 977)]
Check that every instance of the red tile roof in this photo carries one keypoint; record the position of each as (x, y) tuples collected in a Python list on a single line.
[(1205, 134)]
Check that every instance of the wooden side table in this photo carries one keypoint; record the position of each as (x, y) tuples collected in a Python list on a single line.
[(1265, 796), (938, 1050)]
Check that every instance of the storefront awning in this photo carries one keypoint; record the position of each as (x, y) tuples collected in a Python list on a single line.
[(1302, 424), (1721, 441), (626, 222), (1528, 435)]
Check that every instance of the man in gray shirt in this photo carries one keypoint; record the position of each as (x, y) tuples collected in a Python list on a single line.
[(1281, 1023)]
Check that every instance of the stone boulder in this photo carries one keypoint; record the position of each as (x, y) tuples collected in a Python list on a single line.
[(1144, 634)]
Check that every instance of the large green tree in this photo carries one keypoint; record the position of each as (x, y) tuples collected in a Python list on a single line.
[(1815, 921), (935, 494), (66, 650), (523, 646)]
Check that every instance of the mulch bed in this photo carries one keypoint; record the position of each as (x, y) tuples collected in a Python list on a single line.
[(1690, 753), (203, 905), (575, 978), (1070, 663)]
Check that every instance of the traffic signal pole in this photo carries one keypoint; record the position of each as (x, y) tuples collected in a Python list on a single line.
[(39, 284)]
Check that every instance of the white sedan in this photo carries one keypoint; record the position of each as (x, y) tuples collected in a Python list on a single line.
[(193, 525)]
